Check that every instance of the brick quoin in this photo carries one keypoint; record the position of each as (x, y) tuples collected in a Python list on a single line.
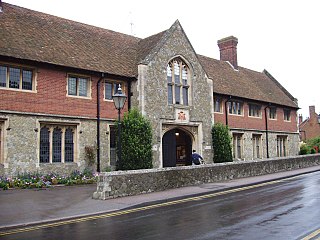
[(246, 122), (51, 98)]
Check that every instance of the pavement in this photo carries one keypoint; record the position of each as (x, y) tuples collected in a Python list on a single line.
[(22, 207)]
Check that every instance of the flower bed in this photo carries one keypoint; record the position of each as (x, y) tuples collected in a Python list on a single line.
[(43, 181)]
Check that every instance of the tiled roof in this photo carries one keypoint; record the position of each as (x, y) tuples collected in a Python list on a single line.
[(27, 34), (245, 83), (32, 35)]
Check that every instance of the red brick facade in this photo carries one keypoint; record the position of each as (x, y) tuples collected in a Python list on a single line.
[(51, 97), (310, 128), (244, 121)]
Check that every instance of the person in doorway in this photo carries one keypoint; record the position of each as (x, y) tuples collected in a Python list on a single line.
[(196, 158)]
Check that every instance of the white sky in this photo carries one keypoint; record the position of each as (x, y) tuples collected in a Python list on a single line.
[(279, 36)]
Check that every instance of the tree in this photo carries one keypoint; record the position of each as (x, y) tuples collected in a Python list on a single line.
[(136, 142), (221, 143)]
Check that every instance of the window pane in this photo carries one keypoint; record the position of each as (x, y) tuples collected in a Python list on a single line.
[(3, 76), (113, 156), (185, 96), (14, 77), (177, 94), (176, 73), (83, 87), (169, 73), (56, 145), (108, 91), (26, 80), (72, 86), (68, 145), (115, 88), (170, 97), (44, 145)]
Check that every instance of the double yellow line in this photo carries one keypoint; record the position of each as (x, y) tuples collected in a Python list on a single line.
[(315, 235), (133, 210)]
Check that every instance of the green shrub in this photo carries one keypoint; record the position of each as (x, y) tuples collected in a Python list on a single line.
[(221, 143), (136, 142), (304, 149), (314, 143)]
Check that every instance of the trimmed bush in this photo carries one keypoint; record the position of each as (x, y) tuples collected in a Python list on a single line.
[(304, 149), (136, 142), (221, 143)]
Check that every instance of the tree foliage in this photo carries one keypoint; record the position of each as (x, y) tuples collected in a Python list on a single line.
[(312, 146), (221, 143), (136, 142)]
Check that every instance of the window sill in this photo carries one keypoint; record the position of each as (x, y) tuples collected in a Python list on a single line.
[(79, 97), (18, 90)]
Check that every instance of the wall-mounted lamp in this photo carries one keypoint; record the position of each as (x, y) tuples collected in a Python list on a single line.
[(177, 134)]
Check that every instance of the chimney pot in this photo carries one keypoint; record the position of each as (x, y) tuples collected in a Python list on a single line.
[(228, 50)]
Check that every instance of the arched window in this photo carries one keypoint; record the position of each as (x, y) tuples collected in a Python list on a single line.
[(178, 82)]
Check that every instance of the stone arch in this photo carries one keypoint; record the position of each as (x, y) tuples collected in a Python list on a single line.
[(176, 147)]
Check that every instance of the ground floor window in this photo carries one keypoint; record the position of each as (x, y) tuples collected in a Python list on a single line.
[(57, 143), (237, 145), (281, 146), (256, 142), (113, 153)]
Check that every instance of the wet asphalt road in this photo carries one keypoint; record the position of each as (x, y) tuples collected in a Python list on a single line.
[(289, 209)]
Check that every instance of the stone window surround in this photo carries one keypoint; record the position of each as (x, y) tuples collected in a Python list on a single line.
[(255, 109), (89, 84), (4, 127), (255, 137), (21, 67), (287, 115), (182, 63), (63, 125), (283, 140), (236, 102), (239, 137), (123, 88), (275, 113), (220, 103)]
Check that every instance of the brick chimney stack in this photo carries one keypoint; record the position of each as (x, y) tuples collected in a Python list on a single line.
[(312, 111), (228, 50)]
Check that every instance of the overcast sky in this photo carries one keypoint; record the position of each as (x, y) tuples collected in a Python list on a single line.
[(279, 36)]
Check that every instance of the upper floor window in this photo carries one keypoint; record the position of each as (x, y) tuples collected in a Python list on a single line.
[(217, 105), (273, 113), (254, 110), (78, 86), (178, 82), (16, 78), (111, 88), (286, 114), (235, 107)]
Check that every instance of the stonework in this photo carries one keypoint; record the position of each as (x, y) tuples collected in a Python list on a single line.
[(22, 139), (152, 96), (126, 183)]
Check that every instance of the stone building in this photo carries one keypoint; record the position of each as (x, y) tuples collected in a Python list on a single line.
[(57, 78), (310, 127)]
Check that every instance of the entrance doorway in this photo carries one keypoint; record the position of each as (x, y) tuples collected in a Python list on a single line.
[(176, 148)]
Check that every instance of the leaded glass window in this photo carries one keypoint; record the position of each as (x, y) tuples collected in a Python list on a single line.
[(78, 86), (3, 76), (16, 78), (178, 79), (44, 145), (111, 88), (56, 145), (69, 146)]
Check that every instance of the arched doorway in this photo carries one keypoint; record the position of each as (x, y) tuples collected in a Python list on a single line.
[(176, 148)]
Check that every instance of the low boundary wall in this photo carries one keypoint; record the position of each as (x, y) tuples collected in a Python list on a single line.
[(134, 182)]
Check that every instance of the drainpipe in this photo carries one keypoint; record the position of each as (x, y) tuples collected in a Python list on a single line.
[(98, 122), (267, 130)]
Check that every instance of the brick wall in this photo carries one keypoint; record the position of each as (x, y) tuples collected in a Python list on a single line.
[(310, 128), (246, 122), (51, 97)]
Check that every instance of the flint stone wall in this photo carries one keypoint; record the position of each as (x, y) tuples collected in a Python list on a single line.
[(134, 182)]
